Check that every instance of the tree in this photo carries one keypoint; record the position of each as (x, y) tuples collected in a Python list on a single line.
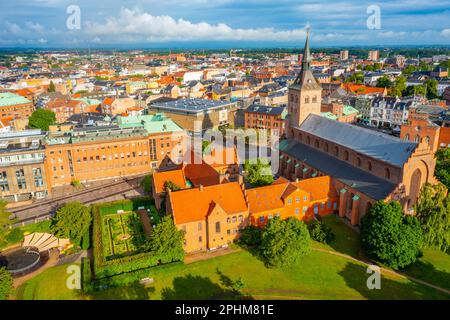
[(415, 90), (166, 241), (409, 69), (431, 88), (170, 185), (384, 82), (284, 242), (320, 232), (251, 236), (42, 119), (259, 173), (399, 86), (73, 221), (51, 87), (6, 219), (390, 237), (6, 283), (146, 184), (442, 169), (433, 211)]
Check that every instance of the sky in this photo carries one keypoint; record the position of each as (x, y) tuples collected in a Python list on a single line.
[(222, 23)]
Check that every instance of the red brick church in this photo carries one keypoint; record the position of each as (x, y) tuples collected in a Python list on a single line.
[(365, 165)]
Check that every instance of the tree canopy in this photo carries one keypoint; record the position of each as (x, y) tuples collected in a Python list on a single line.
[(4, 215), (6, 283), (170, 185), (72, 221), (442, 169), (42, 119), (384, 82), (166, 241), (259, 173), (389, 236), (284, 242), (433, 212)]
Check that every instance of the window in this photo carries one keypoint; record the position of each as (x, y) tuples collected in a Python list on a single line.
[(387, 173), (200, 239), (4, 186), (417, 139), (270, 216), (346, 155), (297, 211), (308, 140), (369, 166), (241, 218), (289, 201), (305, 198), (306, 99), (316, 143), (407, 137), (427, 139), (21, 182), (326, 147), (217, 227), (234, 219), (199, 226), (336, 151), (261, 219), (37, 175), (358, 162), (297, 200)]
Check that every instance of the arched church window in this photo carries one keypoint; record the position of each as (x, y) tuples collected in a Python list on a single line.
[(369, 165), (346, 155), (326, 147), (427, 139), (306, 99), (316, 143), (407, 137), (358, 162), (308, 140), (336, 151), (387, 173), (417, 139)]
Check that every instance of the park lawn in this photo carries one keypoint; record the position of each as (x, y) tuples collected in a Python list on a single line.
[(43, 226), (346, 240), (433, 267), (49, 285), (318, 276)]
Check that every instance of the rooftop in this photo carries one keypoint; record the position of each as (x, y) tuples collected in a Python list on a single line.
[(11, 99), (157, 123), (191, 105)]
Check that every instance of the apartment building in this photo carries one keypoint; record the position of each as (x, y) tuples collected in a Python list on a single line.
[(22, 168), (265, 117), (15, 106)]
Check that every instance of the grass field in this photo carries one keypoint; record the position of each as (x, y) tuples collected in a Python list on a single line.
[(122, 234), (318, 276)]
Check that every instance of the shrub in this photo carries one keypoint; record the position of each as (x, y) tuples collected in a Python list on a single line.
[(284, 242), (14, 236), (320, 232), (251, 236)]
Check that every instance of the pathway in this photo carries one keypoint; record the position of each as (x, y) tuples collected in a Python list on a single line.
[(209, 254), (51, 262)]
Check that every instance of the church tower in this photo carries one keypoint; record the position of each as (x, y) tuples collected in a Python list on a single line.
[(305, 94)]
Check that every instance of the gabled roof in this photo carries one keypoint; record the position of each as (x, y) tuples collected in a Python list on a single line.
[(196, 204), (368, 142)]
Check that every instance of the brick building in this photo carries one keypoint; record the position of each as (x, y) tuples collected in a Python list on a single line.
[(15, 106), (364, 165), (265, 117)]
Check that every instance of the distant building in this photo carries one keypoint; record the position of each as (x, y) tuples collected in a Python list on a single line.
[(374, 55), (15, 106), (265, 117), (196, 115), (343, 55)]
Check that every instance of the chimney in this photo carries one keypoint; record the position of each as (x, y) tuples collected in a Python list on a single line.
[(200, 187)]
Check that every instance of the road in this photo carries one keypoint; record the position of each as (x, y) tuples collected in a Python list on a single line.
[(116, 190)]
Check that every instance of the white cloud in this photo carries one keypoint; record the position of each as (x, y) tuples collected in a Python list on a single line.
[(132, 23), (446, 32)]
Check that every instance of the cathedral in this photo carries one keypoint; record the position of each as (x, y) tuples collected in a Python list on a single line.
[(365, 165)]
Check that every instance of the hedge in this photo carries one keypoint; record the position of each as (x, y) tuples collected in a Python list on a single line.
[(86, 274), (106, 268)]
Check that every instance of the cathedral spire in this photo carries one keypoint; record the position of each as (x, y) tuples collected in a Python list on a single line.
[(306, 61)]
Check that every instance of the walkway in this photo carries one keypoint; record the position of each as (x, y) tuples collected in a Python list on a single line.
[(209, 254), (392, 272), (51, 262)]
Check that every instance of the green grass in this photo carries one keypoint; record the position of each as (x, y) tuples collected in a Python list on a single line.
[(346, 239), (116, 225), (433, 267), (318, 276), (49, 285)]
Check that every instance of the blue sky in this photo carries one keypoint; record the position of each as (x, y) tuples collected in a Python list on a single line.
[(217, 23)]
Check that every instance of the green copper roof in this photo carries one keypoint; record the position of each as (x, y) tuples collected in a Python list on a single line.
[(157, 123), (349, 110), (11, 99), (328, 115)]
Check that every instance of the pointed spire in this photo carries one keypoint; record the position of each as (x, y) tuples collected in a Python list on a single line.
[(306, 61)]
